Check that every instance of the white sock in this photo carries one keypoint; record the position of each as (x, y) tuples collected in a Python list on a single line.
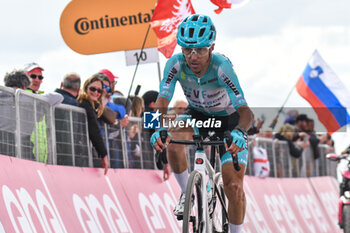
[(236, 228), (182, 180)]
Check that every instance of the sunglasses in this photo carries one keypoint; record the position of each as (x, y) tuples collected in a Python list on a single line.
[(108, 89), (93, 89), (200, 52), (34, 76)]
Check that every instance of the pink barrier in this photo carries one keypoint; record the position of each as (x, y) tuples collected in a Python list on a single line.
[(44, 198)]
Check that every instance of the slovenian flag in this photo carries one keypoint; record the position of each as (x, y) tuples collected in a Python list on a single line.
[(320, 86)]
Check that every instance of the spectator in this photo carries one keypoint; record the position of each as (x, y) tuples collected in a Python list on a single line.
[(116, 93), (70, 88), (314, 141), (133, 129), (15, 79), (34, 71), (180, 107), (312, 153), (176, 110), (39, 135), (137, 106), (286, 133), (291, 117), (326, 139), (301, 124), (149, 99), (256, 126), (121, 100), (112, 79), (90, 98), (114, 132), (107, 92), (261, 162)]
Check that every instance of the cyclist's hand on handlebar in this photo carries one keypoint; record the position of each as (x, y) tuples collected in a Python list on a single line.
[(156, 141), (238, 142)]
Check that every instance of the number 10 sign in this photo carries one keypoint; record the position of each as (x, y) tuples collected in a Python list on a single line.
[(148, 55)]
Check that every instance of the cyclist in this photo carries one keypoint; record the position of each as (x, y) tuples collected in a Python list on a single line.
[(212, 91)]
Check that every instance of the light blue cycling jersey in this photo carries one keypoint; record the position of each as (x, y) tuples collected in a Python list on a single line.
[(216, 93)]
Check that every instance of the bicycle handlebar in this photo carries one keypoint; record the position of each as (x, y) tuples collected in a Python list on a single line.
[(228, 138), (162, 158), (189, 142)]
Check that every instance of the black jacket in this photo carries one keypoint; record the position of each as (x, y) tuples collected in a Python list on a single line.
[(94, 130), (68, 97), (293, 150)]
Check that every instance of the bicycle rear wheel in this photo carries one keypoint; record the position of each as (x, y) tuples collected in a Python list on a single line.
[(193, 212), (219, 218)]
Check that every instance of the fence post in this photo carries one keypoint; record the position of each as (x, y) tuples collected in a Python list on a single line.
[(72, 136), (53, 136), (18, 126), (140, 142), (125, 151)]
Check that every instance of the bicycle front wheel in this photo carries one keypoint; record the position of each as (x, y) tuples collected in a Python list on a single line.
[(193, 212), (219, 216)]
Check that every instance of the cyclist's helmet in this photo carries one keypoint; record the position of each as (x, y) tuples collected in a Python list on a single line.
[(196, 31)]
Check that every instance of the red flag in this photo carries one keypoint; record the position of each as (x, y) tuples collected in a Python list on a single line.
[(221, 4), (166, 18), (227, 4)]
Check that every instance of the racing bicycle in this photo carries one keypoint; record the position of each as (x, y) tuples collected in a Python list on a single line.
[(205, 200)]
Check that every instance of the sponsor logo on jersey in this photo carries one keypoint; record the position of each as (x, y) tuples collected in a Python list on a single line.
[(229, 83), (165, 93), (171, 75), (240, 101), (214, 95)]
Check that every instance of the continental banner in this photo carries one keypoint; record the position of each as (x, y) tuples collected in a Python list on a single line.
[(91, 27)]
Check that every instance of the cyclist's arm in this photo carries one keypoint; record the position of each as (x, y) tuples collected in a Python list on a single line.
[(170, 77), (246, 117), (162, 105)]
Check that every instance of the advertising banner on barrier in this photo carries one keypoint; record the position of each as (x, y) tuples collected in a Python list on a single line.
[(44, 198), (327, 190), (36, 197)]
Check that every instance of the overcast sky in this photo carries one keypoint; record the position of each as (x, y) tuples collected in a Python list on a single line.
[(268, 41)]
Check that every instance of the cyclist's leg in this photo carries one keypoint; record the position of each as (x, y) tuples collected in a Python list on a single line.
[(178, 163), (177, 156), (177, 153), (233, 186)]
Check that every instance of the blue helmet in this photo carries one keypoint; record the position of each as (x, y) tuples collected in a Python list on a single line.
[(196, 31)]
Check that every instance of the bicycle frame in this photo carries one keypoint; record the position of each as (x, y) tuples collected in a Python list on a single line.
[(203, 166)]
